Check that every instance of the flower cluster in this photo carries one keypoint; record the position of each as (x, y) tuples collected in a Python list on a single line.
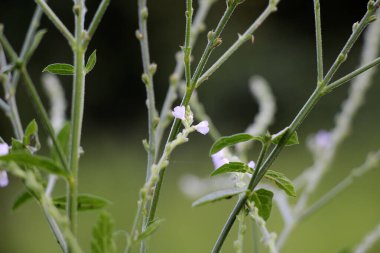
[(4, 150), (186, 116)]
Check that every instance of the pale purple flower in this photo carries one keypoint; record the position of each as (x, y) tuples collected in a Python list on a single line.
[(218, 159), (323, 139), (179, 112), (252, 165), (202, 127), (4, 150), (3, 178)]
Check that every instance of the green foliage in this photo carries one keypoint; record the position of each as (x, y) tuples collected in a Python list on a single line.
[(263, 202), (282, 182), (31, 139), (150, 229), (292, 140), (91, 62), (21, 199), (17, 146), (85, 202), (218, 195), (103, 235), (28, 160), (232, 167), (227, 141), (60, 69), (63, 140)]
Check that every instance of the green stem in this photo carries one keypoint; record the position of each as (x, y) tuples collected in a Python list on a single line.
[(351, 76), (96, 21), (272, 7), (36, 100), (358, 28), (240, 204), (301, 116), (186, 99), (42, 114), (318, 39), (187, 48), (176, 76), (148, 80), (76, 114), (56, 21)]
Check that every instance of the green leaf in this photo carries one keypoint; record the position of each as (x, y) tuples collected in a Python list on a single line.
[(103, 235), (282, 182), (40, 162), (17, 146), (232, 167), (91, 62), (21, 199), (63, 139), (36, 42), (31, 136), (150, 229), (85, 202), (292, 140), (60, 69), (227, 141), (263, 202), (218, 195)]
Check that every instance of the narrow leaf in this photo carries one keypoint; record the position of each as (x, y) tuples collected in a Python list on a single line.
[(232, 140), (91, 62), (292, 140), (85, 202), (103, 235), (60, 69), (232, 167), (218, 195), (150, 229), (282, 182), (40, 162), (21, 199), (263, 202)]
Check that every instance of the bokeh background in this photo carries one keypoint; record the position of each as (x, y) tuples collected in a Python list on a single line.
[(115, 120)]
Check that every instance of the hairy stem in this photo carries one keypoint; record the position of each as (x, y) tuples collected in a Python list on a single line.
[(77, 107)]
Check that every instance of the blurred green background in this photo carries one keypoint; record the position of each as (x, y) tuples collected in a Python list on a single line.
[(115, 121)]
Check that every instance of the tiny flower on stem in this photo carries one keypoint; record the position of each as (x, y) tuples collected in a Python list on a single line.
[(202, 127), (218, 159), (179, 112), (252, 164), (4, 150)]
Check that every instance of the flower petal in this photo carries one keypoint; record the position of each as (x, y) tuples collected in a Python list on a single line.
[(202, 127)]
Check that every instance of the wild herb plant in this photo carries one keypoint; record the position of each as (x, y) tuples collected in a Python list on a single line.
[(255, 185)]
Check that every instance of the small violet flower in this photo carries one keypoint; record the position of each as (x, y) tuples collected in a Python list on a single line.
[(252, 165), (218, 159), (179, 112), (4, 150), (323, 139), (202, 127)]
